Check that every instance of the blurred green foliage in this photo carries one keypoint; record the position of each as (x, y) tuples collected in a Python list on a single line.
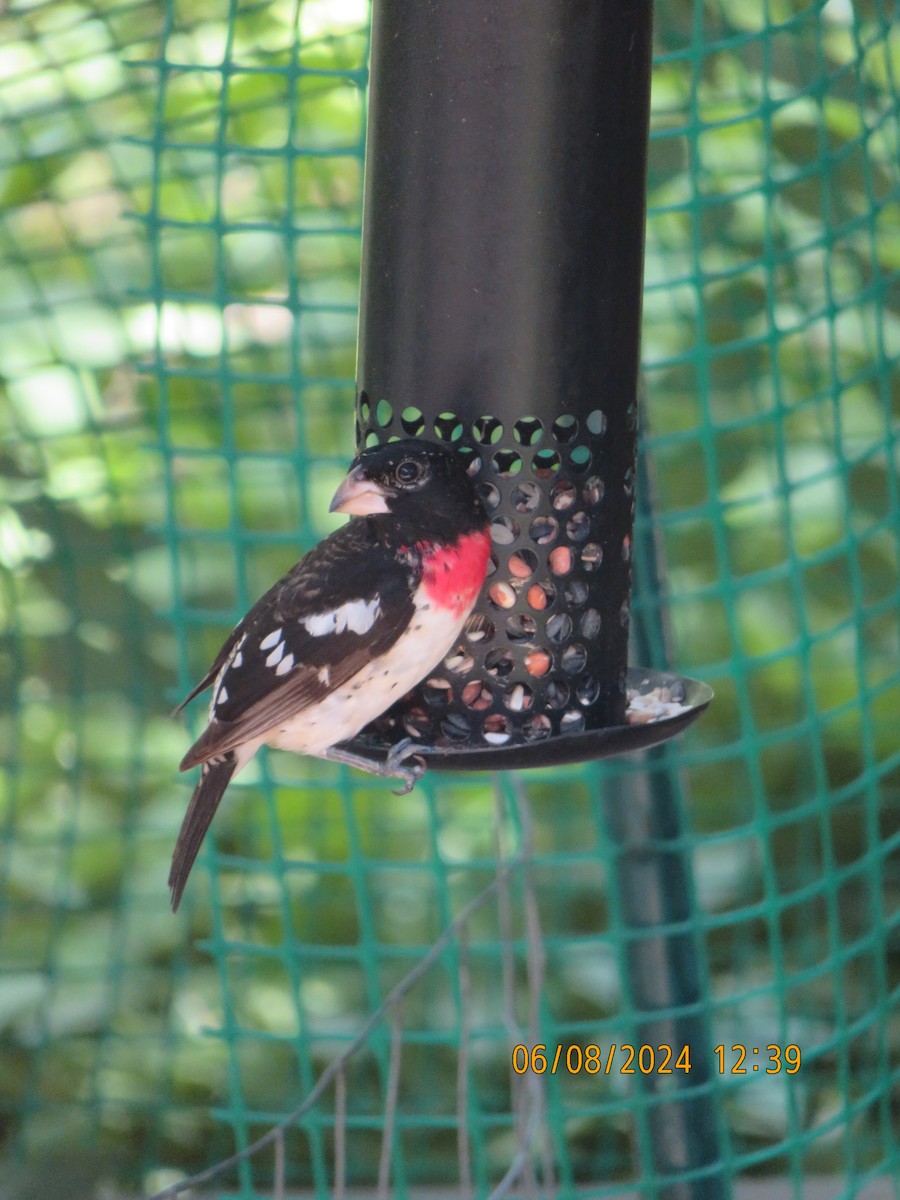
[(179, 245)]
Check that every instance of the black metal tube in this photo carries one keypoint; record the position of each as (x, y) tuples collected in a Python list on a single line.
[(664, 984), (501, 277), (664, 954)]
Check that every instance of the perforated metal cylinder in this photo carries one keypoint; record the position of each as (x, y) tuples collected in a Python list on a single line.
[(500, 311)]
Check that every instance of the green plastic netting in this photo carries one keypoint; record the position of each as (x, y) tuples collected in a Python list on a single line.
[(179, 247)]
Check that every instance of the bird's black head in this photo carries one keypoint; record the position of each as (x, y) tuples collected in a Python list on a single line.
[(410, 479)]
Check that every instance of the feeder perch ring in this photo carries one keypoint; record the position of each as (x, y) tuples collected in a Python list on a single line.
[(567, 747)]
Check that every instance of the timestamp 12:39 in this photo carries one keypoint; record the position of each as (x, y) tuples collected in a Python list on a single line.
[(744, 1060)]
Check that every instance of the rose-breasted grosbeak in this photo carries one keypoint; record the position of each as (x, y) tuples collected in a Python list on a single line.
[(352, 627)]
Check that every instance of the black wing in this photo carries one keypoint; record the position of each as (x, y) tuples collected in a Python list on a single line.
[(225, 653), (343, 604)]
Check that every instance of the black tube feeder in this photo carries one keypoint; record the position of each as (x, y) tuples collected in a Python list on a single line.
[(500, 315)]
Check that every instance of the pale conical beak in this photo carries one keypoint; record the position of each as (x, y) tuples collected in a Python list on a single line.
[(359, 496)]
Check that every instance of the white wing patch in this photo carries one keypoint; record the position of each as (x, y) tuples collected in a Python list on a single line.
[(357, 616), (285, 665), (271, 639), (276, 656), (220, 692)]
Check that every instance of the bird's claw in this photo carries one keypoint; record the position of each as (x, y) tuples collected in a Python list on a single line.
[(397, 765)]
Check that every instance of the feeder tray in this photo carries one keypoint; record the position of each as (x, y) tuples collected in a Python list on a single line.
[(566, 747)]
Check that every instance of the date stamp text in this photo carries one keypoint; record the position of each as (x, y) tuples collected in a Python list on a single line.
[(627, 1059)]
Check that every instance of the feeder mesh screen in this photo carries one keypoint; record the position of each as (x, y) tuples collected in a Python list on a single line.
[(179, 254)]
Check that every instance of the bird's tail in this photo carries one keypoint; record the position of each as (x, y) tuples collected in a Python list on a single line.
[(214, 779)]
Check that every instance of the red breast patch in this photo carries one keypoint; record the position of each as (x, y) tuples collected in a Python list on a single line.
[(452, 575)]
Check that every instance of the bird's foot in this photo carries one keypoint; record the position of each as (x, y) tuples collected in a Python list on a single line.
[(395, 766)]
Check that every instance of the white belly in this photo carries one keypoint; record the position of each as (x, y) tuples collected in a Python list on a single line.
[(366, 696)]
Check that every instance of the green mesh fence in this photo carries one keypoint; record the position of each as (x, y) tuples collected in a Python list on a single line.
[(179, 245)]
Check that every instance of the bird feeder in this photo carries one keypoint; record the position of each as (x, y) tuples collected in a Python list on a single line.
[(500, 316)]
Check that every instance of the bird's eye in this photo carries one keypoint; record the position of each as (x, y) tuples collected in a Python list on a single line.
[(409, 471)]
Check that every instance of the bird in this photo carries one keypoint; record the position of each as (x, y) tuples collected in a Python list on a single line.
[(354, 625)]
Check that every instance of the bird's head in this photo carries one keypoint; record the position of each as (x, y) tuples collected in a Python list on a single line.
[(408, 479)]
